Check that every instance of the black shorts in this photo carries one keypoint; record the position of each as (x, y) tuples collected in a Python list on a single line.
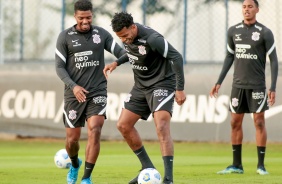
[(144, 102), (75, 113), (248, 100)]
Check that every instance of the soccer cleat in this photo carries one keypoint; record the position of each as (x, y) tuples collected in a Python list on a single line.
[(261, 170), (134, 180), (86, 181), (232, 169), (73, 172)]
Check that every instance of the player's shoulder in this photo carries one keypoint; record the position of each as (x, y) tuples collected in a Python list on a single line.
[(99, 30), (149, 34), (262, 28), (69, 31), (146, 31), (237, 26), (67, 34), (235, 29)]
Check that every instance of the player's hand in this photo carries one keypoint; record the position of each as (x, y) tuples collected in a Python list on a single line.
[(271, 98), (80, 93), (214, 91), (109, 68), (180, 97)]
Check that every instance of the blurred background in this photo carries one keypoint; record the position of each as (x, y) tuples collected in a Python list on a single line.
[(31, 94), (197, 28)]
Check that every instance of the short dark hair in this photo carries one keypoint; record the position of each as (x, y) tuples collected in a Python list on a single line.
[(83, 5), (256, 2), (121, 20)]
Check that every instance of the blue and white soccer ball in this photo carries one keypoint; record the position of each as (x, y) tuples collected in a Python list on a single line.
[(149, 176), (62, 159)]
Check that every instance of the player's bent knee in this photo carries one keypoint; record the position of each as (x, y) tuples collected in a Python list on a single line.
[(123, 128), (260, 124)]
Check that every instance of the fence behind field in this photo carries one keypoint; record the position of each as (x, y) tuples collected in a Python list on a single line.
[(29, 29)]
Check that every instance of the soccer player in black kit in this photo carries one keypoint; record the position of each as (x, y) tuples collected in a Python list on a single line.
[(249, 42), (79, 64), (159, 78)]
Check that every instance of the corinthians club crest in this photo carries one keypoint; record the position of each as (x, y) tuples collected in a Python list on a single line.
[(255, 36), (96, 38), (235, 102), (72, 114), (142, 49)]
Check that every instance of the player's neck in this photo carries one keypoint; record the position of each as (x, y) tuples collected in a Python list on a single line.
[(250, 22)]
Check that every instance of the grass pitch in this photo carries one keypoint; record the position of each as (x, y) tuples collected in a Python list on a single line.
[(30, 161)]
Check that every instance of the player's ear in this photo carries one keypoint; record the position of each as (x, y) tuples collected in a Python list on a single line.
[(134, 28), (257, 10)]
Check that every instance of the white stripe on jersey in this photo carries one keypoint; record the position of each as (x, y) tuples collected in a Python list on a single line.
[(165, 49), (263, 102), (271, 49), (67, 119), (60, 55), (164, 101), (113, 46), (230, 50), (102, 111)]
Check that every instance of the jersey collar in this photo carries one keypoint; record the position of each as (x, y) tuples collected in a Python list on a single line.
[(249, 25), (75, 30)]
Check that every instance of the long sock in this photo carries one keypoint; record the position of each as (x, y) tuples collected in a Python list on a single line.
[(74, 161), (88, 170), (168, 165), (261, 155), (237, 155), (144, 158)]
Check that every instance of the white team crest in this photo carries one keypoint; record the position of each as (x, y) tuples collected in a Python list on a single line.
[(128, 98), (142, 49), (72, 114), (234, 102), (255, 36), (96, 38)]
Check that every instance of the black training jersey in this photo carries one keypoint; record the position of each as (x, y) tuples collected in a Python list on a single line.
[(80, 58), (248, 46), (154, 61)]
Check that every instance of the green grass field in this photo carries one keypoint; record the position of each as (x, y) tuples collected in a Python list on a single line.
[(30, 161)]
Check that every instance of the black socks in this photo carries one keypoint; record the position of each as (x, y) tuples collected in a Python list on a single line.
[(168, 164), (261, 155), (144, 158), (74, 161), (88, 170), (237, 155)]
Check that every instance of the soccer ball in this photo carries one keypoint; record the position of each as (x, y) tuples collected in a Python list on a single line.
[(149, 176), (62, 159)]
